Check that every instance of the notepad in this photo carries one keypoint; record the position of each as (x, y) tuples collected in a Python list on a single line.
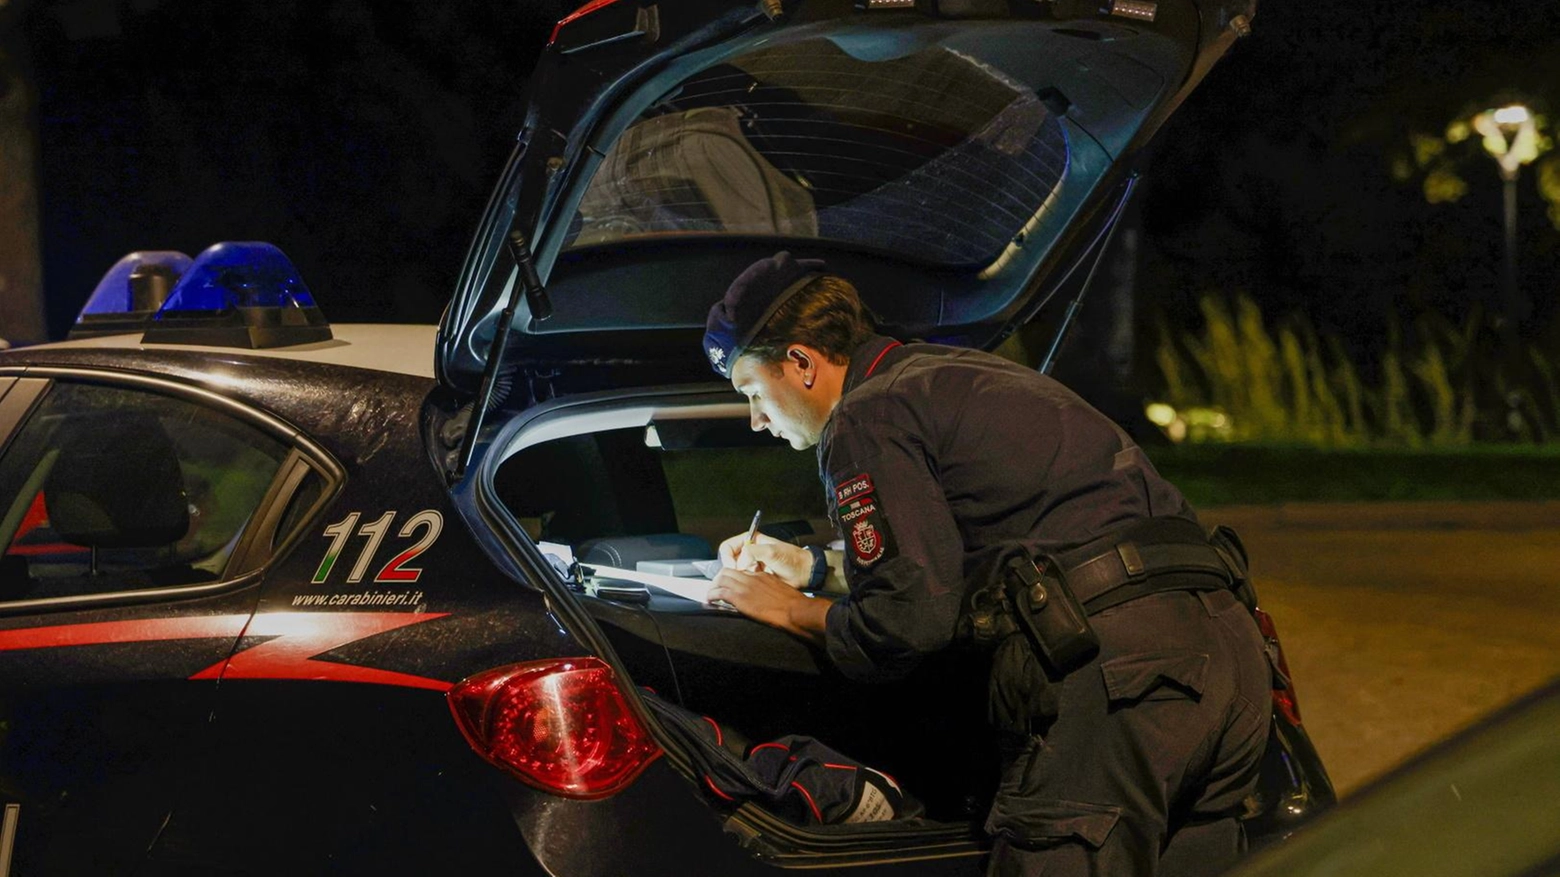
[(686, 587)]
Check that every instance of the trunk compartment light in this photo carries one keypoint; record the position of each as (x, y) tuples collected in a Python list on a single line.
[(561, 725), (1283, 685), (1141, 10)]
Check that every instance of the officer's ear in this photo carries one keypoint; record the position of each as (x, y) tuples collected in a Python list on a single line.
[(804, 362)]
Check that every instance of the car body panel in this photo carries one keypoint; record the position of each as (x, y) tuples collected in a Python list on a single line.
[(322, 653), (106, 698), (1480, 803), (375, 346), (104, 722)]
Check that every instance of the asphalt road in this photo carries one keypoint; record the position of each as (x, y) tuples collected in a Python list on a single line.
[(1405, 622)]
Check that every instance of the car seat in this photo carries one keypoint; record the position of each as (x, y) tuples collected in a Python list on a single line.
[(117, 484)]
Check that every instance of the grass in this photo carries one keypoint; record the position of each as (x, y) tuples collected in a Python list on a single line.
[(1243, 474), (1435, 384)]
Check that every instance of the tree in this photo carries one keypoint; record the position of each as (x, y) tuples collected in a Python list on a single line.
[(21, 274)]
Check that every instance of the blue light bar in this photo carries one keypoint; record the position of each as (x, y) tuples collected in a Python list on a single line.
[(130, 293), (239, 294), (239, 275)]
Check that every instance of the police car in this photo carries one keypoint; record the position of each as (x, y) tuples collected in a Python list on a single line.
[(280, 596)]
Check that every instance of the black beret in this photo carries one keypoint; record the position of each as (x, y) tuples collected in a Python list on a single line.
[(750, 301)]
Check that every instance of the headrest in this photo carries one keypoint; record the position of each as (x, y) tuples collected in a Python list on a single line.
[(116, 482)]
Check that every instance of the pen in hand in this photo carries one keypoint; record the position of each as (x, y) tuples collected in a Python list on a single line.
[(752, 534)]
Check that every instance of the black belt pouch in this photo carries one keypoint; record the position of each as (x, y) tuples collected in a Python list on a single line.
[(1049, 615)]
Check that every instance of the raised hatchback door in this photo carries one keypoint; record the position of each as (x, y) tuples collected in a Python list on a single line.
[(955, 164)]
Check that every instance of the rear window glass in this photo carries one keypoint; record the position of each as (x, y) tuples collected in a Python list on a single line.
[(933, 156)]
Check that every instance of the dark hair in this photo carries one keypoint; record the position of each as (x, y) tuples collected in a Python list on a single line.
[(827, 315)]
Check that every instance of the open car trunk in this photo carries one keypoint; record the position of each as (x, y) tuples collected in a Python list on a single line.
[(638, 482), (645, 479)]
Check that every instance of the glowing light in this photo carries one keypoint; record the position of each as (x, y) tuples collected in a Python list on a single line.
[(1515, 114), (1159, 414), (1510, 135)]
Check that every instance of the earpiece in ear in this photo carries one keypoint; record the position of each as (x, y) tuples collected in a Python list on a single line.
[(803, 362)]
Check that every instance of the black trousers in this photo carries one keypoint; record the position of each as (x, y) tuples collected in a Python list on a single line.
[(1154, 746)]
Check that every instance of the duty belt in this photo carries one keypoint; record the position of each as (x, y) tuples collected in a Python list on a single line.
[(1127, 571), (1035, 610), (1165, 559)]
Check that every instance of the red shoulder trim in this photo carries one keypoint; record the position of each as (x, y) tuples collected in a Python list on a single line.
[(873, 367)]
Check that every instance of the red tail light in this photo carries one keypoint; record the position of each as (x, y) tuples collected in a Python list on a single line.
[(581, 12), (562, 726), (1284, 688)]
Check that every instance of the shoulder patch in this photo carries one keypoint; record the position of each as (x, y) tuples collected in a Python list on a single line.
[(863, 532), (852, 490), (866, 541)]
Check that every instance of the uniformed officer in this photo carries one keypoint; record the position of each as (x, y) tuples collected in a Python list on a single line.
[(947, 472)]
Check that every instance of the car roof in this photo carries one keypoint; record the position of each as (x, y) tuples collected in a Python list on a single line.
[(405, 349)]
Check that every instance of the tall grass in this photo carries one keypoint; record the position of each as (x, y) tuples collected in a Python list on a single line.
[(1434, 384)]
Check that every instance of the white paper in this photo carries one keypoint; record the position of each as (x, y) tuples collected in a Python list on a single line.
[(694, 589), (558, 550)]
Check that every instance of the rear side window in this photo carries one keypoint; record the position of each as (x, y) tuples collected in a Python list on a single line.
[(933, 156), (109, 489)]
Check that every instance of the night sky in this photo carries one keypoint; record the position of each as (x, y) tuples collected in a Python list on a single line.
[(363, 138)]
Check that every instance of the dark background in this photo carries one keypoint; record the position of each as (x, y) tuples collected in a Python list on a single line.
[(363, 138)]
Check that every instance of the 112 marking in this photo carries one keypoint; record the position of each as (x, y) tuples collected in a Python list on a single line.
[(429, 520)]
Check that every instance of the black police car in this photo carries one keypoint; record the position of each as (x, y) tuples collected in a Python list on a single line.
[(285, 597)]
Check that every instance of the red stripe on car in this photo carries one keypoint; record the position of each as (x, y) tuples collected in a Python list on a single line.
[(139, 631), (293, 639), (299, 636)]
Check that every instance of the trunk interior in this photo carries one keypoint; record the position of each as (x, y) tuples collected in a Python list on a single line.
[(644, 482)]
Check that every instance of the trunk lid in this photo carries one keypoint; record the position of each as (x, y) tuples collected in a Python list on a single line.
[(954, 159)]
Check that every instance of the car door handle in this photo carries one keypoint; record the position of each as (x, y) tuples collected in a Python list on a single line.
[(13, 815)]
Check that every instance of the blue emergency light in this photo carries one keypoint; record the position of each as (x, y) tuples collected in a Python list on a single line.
[(234, 294), (239, 294), (130, 293)]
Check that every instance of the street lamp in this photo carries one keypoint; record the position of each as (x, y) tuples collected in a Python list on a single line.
[(1510, 136)]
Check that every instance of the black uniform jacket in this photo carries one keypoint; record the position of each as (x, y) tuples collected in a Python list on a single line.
[(936, 460)]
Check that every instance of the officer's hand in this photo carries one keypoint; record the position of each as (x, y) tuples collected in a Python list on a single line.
[(766, 597), (791, 563), (732, 549)]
